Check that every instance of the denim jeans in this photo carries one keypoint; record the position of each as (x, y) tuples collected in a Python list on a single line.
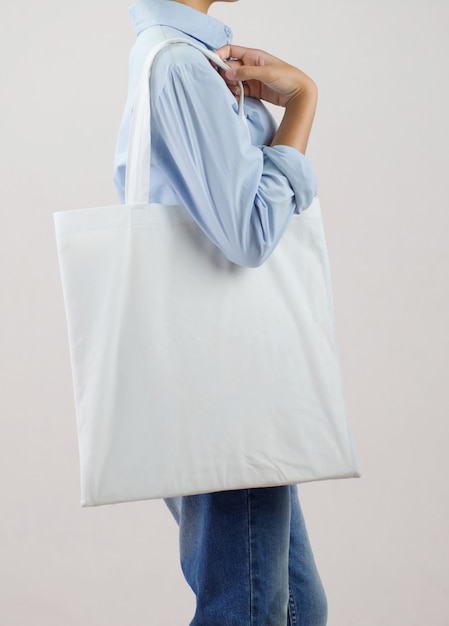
[(247, 557)]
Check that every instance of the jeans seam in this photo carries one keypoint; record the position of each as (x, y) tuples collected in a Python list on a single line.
[(292, 607), (250, 557)]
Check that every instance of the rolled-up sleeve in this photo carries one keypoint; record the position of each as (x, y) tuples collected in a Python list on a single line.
[(241, 195), (297, 169)]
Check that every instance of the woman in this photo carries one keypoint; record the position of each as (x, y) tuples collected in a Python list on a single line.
[(245, 553)]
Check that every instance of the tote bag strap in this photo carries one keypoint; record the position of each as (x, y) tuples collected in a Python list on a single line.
[(137, 186)]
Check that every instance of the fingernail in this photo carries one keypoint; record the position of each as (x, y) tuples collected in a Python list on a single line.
[(231, 74)]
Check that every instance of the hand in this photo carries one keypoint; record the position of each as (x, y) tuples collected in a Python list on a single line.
[(264, 76)]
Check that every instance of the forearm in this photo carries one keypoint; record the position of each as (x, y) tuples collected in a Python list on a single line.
[(296, 124)]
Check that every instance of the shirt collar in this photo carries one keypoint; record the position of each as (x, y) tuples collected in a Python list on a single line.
[(208, 30)]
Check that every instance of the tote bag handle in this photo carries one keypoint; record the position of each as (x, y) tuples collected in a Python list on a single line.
[(137, 186)]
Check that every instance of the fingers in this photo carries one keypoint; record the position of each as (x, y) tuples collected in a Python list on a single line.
[(233, 65), (248, 56), (253, 75), (267, 77), (250, 72), (230, 51), (248, 63)]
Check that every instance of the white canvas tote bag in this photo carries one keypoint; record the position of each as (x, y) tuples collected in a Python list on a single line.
[(192, 374)]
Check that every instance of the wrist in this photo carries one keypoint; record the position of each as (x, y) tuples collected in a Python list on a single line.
[(306, 90), (297, 122)]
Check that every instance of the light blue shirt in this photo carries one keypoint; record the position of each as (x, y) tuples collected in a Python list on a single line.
[(239, 190)]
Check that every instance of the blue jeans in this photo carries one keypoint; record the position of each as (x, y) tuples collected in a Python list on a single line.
[(247, 557)]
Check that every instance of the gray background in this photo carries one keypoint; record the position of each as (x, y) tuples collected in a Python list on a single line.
[(380, 148)]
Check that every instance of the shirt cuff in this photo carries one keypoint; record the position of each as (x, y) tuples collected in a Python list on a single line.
[(298, 170)]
